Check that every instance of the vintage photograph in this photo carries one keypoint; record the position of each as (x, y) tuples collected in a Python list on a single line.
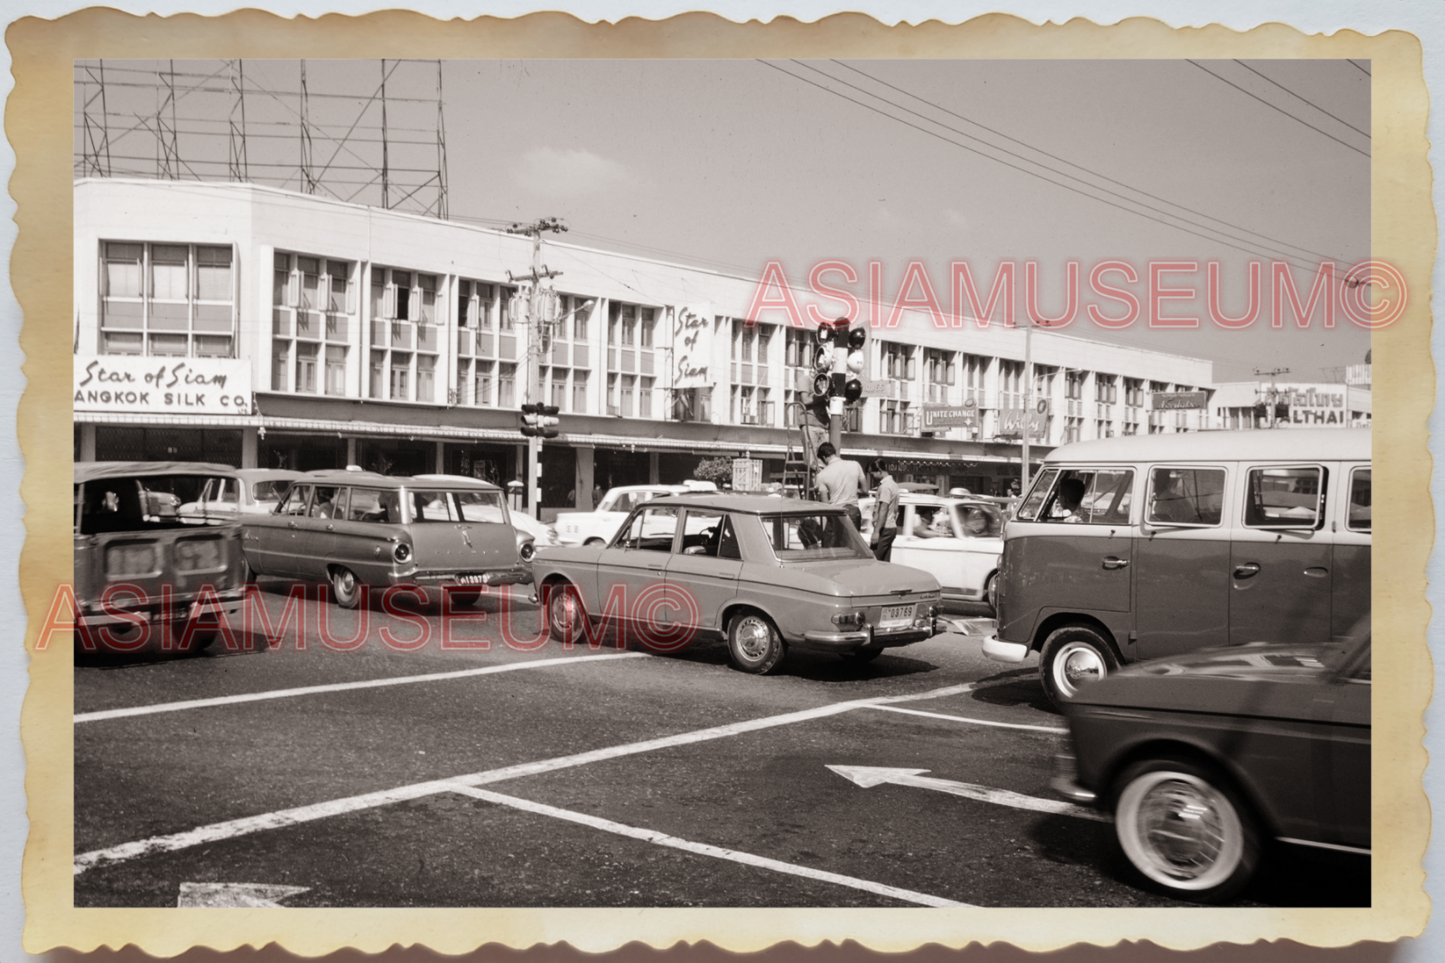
[(749, 483)]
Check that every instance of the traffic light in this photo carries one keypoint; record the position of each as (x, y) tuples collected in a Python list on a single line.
[(540, 421), (837, 361)]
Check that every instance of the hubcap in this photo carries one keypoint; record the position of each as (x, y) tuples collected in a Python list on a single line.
[(564, 612), (345, 584), (1182, 831), (1077, 665), (752, 638)]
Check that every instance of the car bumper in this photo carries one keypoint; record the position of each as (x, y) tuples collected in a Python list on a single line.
[(1001, 651), (516, 575), (848, 641), (227, 604), (1066, 780)]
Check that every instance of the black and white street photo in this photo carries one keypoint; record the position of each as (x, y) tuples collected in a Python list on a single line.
[(829, 483)]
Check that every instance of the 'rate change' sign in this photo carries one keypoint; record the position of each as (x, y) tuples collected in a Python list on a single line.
[(210, 386)]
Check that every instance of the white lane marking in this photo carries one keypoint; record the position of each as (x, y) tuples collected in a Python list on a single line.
[(232, 895), (336, 807), (1335, 846), (705, 849), (340, 687), (977, 722), (867, 776)]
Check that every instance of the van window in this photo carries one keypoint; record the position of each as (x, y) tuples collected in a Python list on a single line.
[(370, 505), (1090, 497), (1359, 520), (1029, 510), (1186, 496), (1284, 497)]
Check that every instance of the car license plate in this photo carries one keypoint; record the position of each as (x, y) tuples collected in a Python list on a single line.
[(896, 617), (470, 580)]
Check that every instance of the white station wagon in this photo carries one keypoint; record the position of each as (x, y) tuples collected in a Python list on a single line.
[(597, 527)]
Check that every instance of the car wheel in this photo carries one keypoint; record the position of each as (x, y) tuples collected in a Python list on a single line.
[(754, 644), (1072, 656), (1184, 829), (990, 593), (566, 617), (344, 587)]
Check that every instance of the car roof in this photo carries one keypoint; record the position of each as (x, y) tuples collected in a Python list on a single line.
[(343, 476), (90, 470), (759, 504), (1281, 444), (923, 498)]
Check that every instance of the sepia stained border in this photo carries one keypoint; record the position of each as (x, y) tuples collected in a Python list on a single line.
[(38, 120)]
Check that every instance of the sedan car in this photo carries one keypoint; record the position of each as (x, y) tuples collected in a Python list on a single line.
[(766, 574), (1205, 756), (598, 526), (957, 540), (352, 528), (245, 491)]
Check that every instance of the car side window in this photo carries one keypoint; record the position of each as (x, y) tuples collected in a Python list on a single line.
[(728, 546), (296, 499), (1285, 497), (370, 505), (702, 533), (1359, 520), (1029, 510), (1186, 496), (651, 530), (324, 505), (1089, 497)]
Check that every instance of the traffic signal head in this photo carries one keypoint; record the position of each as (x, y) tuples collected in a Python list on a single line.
[(540, 421), (823, 359), (832, 333), (852, 391), (822, 384), (857, 338)]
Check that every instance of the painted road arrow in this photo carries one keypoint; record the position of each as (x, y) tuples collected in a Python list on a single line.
[(868, 776), (233, 895)]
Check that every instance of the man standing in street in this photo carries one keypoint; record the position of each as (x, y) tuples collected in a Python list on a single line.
[(885, 510), (839, 483)]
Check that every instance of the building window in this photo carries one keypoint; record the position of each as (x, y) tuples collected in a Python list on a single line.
[(405, 338), (973, 371), (1010, 384), (894, 418), (506, 386), (941, 373), (898, 361), (476, 343), (579, 392), (167, 299), (313, 323)]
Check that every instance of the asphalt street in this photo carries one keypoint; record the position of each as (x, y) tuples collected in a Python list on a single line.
[(501, 768)]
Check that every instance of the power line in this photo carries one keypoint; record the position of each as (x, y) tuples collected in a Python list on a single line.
[(1358, 67), (1303, 100), (1278, 108), (973, 150), (1087, 170)]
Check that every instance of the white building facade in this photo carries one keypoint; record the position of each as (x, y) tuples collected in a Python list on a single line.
[(263, 328)]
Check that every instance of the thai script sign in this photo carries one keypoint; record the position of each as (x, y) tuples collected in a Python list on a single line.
[(691, 346), (1011, 423), (1172, 400), (198, 386)]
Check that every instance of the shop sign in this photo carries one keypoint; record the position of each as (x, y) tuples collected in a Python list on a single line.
[(1011, 423), (691, 346), (169, 386), (1175, 400), (949, 416), (747, 474)]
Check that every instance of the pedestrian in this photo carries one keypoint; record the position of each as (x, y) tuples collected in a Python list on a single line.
[(839, 483), (885, 510)]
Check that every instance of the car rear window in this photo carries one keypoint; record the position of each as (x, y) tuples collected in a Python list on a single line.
[(812, 536), (456, 506)]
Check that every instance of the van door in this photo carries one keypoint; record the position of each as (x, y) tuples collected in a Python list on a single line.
[(1181, 575), (1350, 579), (1281, 557)]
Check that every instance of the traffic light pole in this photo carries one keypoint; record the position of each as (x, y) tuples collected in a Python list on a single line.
[(534, 352)]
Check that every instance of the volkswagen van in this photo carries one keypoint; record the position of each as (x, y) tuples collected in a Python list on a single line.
[(1144, 547)]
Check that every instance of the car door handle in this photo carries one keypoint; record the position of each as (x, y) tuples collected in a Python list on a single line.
[(1112, 562), (330, 527), (291, 524), (1317, 571), (1246, 570)]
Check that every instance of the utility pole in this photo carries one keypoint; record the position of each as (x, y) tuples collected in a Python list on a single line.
[(1272, 404), (1028, 403), (535, 338)]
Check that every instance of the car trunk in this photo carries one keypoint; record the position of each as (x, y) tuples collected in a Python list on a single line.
[(443, 547)]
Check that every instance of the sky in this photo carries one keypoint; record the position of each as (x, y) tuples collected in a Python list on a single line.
[(732, 164)]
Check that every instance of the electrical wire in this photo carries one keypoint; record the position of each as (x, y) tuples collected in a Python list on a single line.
[(1278, 108), (1304, 100)]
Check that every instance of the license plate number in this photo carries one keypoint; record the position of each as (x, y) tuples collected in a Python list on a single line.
[(469, 580), (896, 617)]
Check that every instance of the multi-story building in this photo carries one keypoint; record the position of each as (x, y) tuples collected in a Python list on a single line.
[(1260, 404), (254, 326)]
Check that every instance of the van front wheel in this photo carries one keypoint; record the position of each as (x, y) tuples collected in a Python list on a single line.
[(1072, 656)]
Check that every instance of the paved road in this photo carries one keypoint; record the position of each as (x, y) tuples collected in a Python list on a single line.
[(503, 770)]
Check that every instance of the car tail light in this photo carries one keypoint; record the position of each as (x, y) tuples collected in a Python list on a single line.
[(527, 551), (849, 620), (402, 552)]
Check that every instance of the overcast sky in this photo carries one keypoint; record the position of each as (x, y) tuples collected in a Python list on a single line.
[(730, 164)]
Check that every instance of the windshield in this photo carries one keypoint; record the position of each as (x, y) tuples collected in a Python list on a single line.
[(815, 535), (270, 490), (134, 502), (979, 520)]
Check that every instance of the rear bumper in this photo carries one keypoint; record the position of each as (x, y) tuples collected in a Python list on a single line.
[(866, 637), (513, 575), (1001, 651), (227, 604)]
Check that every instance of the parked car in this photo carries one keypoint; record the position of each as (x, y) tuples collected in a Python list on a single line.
[(1203, 757), (527, 527), (141, 573), (243, 491), (1150, 546), (956, 540), (352, 528), (764, 573), (598, 526)]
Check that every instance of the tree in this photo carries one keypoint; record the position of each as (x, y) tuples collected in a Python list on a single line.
[(717, 470)]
